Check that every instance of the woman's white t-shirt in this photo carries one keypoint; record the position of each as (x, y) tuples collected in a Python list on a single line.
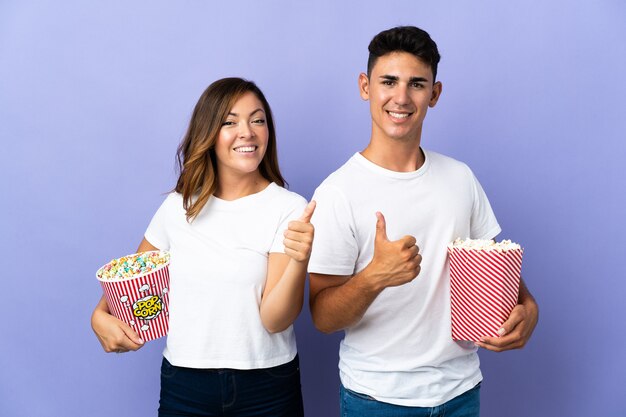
[(218, 269)]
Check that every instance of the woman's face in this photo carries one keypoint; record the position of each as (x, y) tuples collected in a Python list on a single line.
[(242, 141)]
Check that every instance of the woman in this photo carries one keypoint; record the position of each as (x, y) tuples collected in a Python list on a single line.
[(239, 245)]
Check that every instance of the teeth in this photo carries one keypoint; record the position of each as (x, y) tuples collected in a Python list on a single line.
[(245, 149), (399, 115)]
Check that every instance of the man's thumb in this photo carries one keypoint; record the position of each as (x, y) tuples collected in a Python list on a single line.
[(381, 227)]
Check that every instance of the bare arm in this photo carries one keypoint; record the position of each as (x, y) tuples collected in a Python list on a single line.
[(284, 290), (115, 335), (338, 302)]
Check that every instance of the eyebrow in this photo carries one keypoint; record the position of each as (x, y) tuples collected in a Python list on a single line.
[(396, 78), (237, 114)]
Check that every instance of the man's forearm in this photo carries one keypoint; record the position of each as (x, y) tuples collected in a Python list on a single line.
[(524, 294), (337, 307)]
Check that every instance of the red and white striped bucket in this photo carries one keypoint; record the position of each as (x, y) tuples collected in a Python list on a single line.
[(484, 288), (142, 301)]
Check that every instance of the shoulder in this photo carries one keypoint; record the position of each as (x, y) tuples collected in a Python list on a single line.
[(174, 197), (171, 207), (343, 177), (443, 163), (444, 160), (173, 200), (285, 198)]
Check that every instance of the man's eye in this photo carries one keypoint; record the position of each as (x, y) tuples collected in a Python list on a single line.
[(417, 85), (388, 82)]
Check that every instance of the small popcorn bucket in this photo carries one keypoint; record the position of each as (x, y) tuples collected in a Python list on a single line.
[(484, 288), (141, 300)]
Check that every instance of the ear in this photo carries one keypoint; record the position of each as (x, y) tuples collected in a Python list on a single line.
[(437, 89), (364, 86)]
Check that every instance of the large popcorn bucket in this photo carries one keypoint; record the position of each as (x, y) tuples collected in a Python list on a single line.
[(484, 288), (141, 300)]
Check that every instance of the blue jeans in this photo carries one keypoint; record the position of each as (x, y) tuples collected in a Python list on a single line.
[(271, 392), (354, 404)]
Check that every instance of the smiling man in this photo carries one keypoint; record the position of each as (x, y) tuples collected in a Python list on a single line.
[(379, 268)]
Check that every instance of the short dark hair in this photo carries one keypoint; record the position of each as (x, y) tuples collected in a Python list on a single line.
[(404, 39)]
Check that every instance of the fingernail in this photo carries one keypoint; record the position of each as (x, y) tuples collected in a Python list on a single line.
[(501, 331), (140, 341)]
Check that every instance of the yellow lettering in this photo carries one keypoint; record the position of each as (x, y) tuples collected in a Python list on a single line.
[(148, 307)]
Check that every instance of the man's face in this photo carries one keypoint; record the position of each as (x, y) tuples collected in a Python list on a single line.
[(400, 89)]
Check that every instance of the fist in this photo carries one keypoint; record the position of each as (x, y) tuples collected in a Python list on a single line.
[(395, 262)]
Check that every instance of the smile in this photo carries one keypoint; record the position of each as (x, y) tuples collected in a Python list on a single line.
[(399, 115), (245, 149)]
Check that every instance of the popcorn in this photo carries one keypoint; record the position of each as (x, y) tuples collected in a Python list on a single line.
[(133, 265), (483, 244), (136, 288), (484, 286)]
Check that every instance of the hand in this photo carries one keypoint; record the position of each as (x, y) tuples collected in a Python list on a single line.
[(114, 335), (299, 235), (516, 331), (394, 263)]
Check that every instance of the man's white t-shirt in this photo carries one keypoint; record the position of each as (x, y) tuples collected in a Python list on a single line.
[(218, 269), (401, 351)]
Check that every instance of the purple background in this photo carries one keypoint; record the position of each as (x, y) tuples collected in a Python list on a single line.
[(94, 99)]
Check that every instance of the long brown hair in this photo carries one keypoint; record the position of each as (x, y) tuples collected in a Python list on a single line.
[(196, 158)]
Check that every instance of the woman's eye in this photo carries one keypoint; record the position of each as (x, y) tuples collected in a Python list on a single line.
[(228, 123), (259, 121)]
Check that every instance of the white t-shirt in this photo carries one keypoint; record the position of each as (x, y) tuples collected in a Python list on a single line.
[(401, 351), (218, 269)]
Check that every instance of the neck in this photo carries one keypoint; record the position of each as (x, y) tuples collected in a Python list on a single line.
[(234, 187), (395, 154)]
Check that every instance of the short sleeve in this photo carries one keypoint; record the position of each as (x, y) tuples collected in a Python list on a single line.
[(335, 249), (483, 223), (156, 233), (293, 212)]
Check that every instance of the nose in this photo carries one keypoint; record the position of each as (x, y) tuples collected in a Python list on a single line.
[(401, 96), (245, 131)]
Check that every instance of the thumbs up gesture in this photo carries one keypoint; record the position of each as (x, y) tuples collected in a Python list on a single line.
[(299, 235), (394, 262)]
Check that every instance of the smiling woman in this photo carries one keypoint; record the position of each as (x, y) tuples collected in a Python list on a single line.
[(242, 141), (231, 111), (240, 244)]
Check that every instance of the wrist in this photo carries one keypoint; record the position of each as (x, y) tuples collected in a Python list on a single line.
[(103, 306), (368, 280), (299, 264)]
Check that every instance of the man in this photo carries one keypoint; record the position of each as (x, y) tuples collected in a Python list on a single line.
[(379, 266)]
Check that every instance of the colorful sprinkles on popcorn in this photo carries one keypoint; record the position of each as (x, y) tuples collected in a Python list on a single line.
[(133, 265)]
